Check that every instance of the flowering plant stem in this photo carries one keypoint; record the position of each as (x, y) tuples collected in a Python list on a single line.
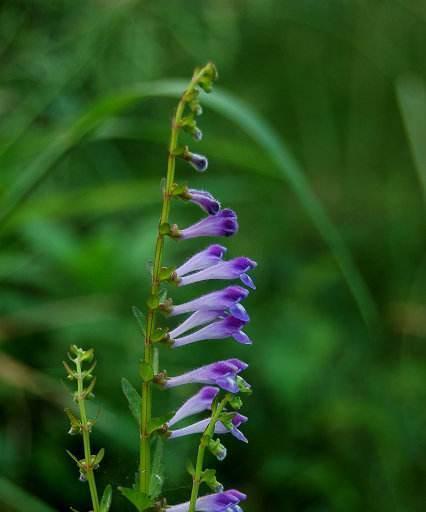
[(204, 441), (146, 407), (85, 429)]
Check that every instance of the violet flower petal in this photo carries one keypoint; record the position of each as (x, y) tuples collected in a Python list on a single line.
[(229, 326), (222, 373), (232, 269), (200, 402), (223, 224), (221, 299), (207, 257), (204, 200)]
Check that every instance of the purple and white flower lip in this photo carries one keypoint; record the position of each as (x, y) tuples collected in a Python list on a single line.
[(232, 269), (224, 223), (219, 300), (222, 373), (201, 401), (204, 200), (200, 426), (206, 258), (229, 326), (225, 501)]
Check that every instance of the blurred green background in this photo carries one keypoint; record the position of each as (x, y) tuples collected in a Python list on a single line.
[(316, 136)]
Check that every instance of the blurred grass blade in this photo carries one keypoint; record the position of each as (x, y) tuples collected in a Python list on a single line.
[(411, 94), (18, 499), (250, 122)]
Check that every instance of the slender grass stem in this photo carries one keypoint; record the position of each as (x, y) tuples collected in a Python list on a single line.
[(146, 391), (204, 441), (85, 426)]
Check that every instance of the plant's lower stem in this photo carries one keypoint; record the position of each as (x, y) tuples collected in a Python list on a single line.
[(86, 440), (205, 438), (146, 392)]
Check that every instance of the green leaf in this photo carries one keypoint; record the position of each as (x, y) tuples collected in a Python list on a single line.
[(133, 398), (18, 499), (139, 499), (105, 504), (99, 457), (145, 371), (74, 458), (157, 475), (140, 319)]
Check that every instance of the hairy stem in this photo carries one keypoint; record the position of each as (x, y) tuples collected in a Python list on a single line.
[(146, 404), (85, 427), (204, 441)]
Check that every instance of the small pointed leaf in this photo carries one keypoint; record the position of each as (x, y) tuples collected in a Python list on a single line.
[(139, 499), (99, 457), (133, 398), (105, 504), (140, 319)]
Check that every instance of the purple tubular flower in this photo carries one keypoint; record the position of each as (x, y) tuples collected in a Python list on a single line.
[(204, 200), (198, 162), (219, 300), (201, 401), (224, 223), (225, 501), (206, 258), (203, 317), (200, 426), (196, 319), (232, 269), (222, 374), (229, 326)]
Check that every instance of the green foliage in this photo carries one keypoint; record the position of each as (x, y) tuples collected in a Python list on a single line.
[(319, 148), (106, 500), (133, 399), (140, 500)]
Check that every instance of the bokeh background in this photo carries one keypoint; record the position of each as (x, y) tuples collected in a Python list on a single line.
[(315, 135)]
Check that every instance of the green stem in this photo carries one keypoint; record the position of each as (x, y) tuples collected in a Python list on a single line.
[(146, 404), (86, 438), (204, 442)]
